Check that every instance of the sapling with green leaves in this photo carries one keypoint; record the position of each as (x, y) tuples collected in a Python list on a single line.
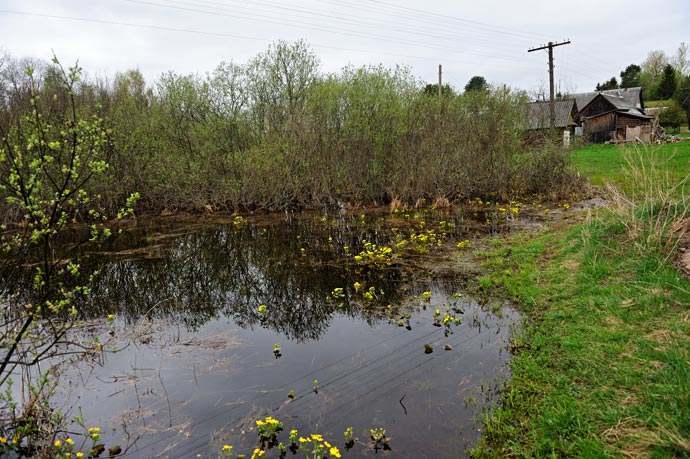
[(48, 156)]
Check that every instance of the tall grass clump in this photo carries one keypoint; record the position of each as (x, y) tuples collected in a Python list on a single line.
[(651, 211)]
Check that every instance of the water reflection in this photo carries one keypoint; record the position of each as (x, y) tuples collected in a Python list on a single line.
[(200, 367), (230, 270)]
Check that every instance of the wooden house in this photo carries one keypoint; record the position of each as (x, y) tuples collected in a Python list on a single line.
[(615, 115), (538, 119)]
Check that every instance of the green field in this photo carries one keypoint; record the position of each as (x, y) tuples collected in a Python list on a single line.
[(601, 367)]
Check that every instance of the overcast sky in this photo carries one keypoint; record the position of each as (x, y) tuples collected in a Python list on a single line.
[(482, 37)]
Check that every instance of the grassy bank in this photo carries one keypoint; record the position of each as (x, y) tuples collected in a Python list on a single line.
[(602, 366)]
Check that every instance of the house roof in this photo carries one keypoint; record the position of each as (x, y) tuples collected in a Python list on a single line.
[(633, 113), (538, 114), (622, 99)]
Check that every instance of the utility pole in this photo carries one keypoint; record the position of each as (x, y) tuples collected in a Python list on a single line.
[(439, 82), (552, 106)]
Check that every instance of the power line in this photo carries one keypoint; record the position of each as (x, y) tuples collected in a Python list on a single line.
[(310, 26), (225, 35), (129, 24), (495, 29), (356, 21)]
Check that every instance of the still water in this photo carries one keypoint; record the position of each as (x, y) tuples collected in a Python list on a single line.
[(220, 323)]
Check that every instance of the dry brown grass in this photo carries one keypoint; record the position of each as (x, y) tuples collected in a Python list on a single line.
[(630, 438), (662, 336), (397, 205), (440, 203), (633, 439)]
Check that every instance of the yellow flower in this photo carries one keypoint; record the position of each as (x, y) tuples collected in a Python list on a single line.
[(94, 429), (317, 437), (69, 441), (3, 440), (258, 453), (334, 452), (303, 440), (227, 448), (58, 443), (111, 316), (80, 454)]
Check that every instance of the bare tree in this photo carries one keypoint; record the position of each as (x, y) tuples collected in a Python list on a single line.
[(681, 61), (655, 63)]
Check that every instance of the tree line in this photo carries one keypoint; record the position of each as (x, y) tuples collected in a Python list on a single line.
[(278, 133), (661, 77)]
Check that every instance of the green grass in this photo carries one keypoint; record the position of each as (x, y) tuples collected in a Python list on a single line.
[(601, 367), (685, 131), (602, 164)]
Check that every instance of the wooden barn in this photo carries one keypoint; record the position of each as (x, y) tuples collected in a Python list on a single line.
[(615, 115)]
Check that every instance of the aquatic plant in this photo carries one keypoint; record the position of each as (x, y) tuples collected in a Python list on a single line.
[(378, 438), (370, 294), (349, 438), (315, 386), (315, 447), (421, 242), (62, 449), (336, 295), (293, 436), (267, 429), (447, 319), (373, 255)]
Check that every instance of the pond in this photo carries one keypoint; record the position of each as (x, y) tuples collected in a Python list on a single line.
[(325, 322)]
